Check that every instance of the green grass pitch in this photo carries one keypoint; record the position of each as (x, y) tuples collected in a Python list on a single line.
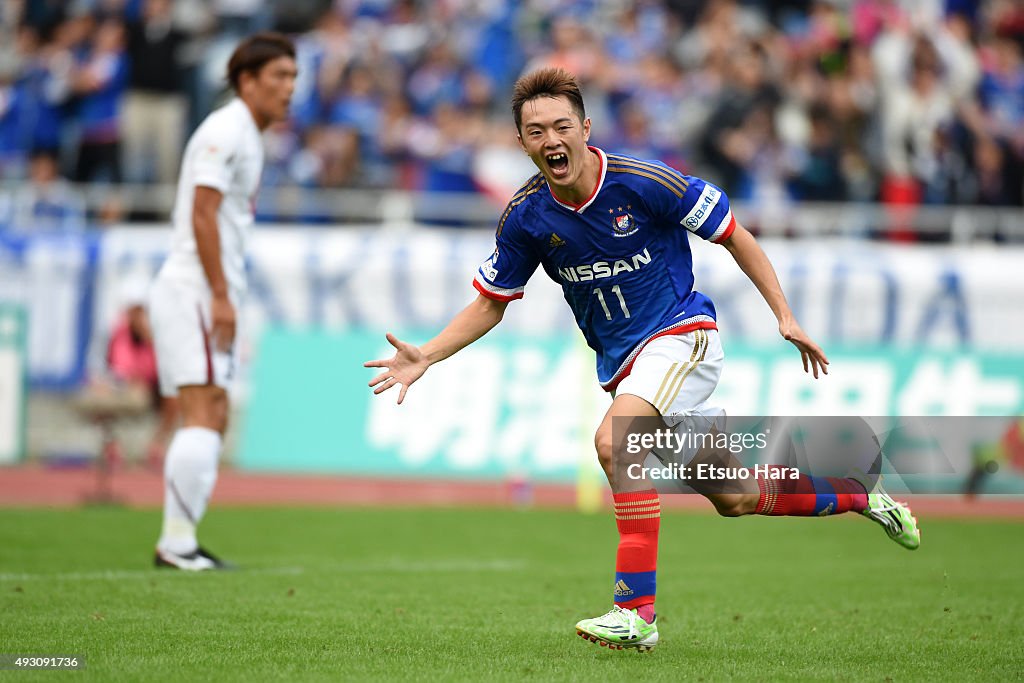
[(469, 594)]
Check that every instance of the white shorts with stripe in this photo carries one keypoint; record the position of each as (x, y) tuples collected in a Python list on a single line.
[(677, 374), (179, 313)]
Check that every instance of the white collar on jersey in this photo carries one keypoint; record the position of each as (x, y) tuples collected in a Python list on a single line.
[(580, 208), (237, 101)]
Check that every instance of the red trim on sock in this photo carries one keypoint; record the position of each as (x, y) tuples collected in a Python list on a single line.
[(797, 497), (769, 491), (638, 518), (635, 496), (637, 512), (637, 552), (637, 603), (850, 494)]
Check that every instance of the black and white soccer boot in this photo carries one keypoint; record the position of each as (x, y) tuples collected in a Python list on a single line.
[(198, 560)]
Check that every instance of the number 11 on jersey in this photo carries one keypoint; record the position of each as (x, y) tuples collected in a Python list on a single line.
[(622, 302)]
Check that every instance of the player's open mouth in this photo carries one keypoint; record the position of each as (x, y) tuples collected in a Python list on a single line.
[(558, 163)]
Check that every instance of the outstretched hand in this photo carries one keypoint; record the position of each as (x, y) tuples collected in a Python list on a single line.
[(813, 357), (405, 367)]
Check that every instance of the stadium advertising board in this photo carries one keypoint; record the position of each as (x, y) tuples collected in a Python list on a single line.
[(514, 405), (845, 294)]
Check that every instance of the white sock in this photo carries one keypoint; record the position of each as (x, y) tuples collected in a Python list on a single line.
[(190, 471)]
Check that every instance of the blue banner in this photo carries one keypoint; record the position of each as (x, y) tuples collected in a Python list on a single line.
[(844, 293)]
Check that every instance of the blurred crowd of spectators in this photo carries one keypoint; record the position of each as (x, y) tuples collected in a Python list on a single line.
[(905, 102)]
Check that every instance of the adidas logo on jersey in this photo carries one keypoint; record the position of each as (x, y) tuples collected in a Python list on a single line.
[(622, 589), (603, 269), (556, 241)]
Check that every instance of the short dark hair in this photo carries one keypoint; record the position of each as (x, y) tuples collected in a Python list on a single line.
[(549, 82), (255, 51)]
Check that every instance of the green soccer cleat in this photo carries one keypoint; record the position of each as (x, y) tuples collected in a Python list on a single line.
[(620, 629), (895, 517)]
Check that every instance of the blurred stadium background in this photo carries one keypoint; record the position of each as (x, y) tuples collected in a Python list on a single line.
[(875, 146)]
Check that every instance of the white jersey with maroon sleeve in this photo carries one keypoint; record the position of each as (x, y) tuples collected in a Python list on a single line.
[(226, 154)]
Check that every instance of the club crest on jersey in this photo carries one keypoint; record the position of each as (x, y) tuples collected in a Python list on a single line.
[(624, 225)]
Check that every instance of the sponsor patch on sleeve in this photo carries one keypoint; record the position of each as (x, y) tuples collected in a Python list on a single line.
[(701, 211), (488, 270)]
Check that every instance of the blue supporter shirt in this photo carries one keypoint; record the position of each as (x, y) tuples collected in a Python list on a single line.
[(622, 257), (99, 112)]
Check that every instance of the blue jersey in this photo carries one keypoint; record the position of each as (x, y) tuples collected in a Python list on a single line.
[(622, 257)]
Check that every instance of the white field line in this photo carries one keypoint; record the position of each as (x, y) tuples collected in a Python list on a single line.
[(120, 574), (400, 566), (396, 566)]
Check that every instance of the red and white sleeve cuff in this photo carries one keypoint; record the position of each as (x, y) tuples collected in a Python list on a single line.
[(497, 293), (724, 230)]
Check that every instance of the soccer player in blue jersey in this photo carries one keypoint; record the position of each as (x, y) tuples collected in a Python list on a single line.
[(613, 231)]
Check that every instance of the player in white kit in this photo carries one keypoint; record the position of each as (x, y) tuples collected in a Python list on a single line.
[(198, 290)]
